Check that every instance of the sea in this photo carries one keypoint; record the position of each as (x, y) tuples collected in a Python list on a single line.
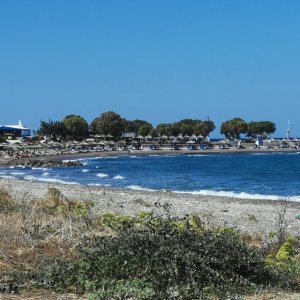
[(244, 175)]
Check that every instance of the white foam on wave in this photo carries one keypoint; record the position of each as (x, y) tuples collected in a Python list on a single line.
[(119, 177), (18, 173), (45, 174), (12, 167), (53, 180), (82, 160), (7, 177), (241, 195), (102, 175), (39, 168), (139, 188), (85, 170), (98, 184), (198, 155)]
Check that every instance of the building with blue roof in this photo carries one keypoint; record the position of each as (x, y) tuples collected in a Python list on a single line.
[(14, 131)]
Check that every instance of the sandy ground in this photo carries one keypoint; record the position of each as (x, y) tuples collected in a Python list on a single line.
[(252, 216)]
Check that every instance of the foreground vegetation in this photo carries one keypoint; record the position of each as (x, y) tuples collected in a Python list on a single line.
[(67, 246)]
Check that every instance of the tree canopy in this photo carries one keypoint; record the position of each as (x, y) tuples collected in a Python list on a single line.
[(204, 128), (261, 128), (232, 129), (55, 130), (109, 123), (76, 126), (186, 127), (136, 125)]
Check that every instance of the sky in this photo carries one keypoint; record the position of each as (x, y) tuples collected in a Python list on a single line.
[(159, 60)]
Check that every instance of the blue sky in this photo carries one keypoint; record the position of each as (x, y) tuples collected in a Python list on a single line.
[(161, 61)]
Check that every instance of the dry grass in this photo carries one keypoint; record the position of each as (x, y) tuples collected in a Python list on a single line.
[(35, 233)]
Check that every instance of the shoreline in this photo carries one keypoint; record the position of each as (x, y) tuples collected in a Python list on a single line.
[(162, 151), (253, 216)]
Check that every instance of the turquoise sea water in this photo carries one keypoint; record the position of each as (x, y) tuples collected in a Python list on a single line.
[(255, 175)]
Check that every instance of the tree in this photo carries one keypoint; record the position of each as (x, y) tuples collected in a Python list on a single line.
[(153, 132), (76, 126), (164, 129), (232, 129), (204, 128), (55, 130), (261, 128), (135, 125), (145, 129), (186, 126), (109, 123)]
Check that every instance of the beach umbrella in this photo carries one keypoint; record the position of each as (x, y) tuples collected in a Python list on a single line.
[(164, 137)]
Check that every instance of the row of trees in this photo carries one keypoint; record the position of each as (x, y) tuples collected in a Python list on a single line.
[(74, 127), (232, 129)]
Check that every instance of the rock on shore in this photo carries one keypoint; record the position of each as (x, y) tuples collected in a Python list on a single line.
[(46, 163)]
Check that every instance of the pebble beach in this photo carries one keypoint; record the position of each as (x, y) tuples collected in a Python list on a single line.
[(256, 217)]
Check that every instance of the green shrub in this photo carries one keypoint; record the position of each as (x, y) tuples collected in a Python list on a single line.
[(154, 258)]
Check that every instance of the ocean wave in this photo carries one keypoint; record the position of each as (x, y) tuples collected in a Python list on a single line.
[(102, 175), (293, 153), (139, 188), (198, 155), (241, 195), (40, 168), (119, 177), (98, 184), (17, 173), (52, 180), (7, 177), (85, 170), (12, 167), (102, 157), (82, 160), (45, 174)]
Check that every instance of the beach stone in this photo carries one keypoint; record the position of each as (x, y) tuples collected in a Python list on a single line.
[(46, 163)]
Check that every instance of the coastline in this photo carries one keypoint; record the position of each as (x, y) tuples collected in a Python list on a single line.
[(256, 217), (162, 151)]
